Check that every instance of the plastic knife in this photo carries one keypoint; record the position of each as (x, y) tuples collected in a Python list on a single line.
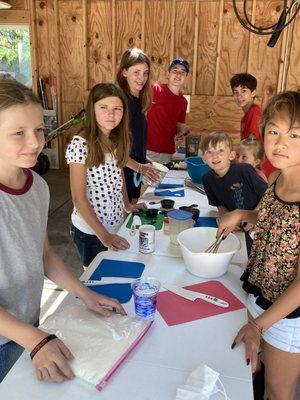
[(191, 295), (107, 280)]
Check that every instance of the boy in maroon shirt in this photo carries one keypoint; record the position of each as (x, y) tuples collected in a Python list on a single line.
[(166, 117), (243, 87)]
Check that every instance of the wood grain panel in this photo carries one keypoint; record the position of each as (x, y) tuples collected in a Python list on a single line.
[(184, 37), (234, 49), (128, 26), (207, 47), (293, 77), (71, 49), (17, 4), (100, 42), (43, 52), (214, 112), (264, 63), (158, 36)]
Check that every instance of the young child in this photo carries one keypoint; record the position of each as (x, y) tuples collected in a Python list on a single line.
[(96, 158), (133, 77), (229, 185), (272, 277), (167, 113), (25, 253), (251, 151), (243, 87)]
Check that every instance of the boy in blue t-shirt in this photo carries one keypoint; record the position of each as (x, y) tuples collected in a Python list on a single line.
[(229, 186)]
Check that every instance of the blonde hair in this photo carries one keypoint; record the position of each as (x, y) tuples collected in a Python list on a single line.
[(256, 147), (288, 102), (119, 137), (213, 138), (13, 93), (129, 58)]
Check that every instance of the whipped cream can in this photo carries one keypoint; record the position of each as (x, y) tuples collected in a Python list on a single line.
[(146, 239)]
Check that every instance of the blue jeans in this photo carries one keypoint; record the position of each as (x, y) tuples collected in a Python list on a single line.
[(88, 246), (9, 353)]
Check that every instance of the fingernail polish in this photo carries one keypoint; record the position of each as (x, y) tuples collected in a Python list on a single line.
[(248, 361), (233, 345)]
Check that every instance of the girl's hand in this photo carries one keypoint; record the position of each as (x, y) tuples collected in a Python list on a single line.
[(131, 207), (229, 222), (150, 173), (115, 242), (51, 362), (98, 303), (251, 337)]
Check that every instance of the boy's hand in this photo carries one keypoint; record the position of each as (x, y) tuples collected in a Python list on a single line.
[(51, 362), (115, 242)]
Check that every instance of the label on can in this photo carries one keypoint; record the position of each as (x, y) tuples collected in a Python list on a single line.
[(146, 239)]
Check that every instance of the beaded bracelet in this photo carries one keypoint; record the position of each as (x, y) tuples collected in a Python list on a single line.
[(259, 328), (41, 344)]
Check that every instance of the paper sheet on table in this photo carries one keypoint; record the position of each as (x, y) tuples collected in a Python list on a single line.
[(99, 344), (176, 310)]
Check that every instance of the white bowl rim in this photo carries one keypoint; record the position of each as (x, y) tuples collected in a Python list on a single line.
[(202, 252)]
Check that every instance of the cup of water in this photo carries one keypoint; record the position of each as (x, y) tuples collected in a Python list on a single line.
[(145, 291)]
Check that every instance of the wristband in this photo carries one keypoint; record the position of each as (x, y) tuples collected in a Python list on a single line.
[(259, 328), (42, 344)]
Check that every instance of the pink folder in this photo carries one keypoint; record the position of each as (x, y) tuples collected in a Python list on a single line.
[(176, 310)]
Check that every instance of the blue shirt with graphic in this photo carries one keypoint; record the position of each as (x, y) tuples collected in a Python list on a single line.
[(240, 188)]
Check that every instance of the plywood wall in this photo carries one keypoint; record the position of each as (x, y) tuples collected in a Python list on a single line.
[(79, 43)]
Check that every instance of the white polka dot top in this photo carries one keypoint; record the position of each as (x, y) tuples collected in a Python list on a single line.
[(103, 188)]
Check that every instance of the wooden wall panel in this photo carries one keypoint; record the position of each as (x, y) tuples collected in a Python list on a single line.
[(184, 30), (207, 47), (211, 112), (42, 30), (234, 49), (71, 50), (158, 36), (293, 76), (265, 61), (100, 53), (129, 26), (18, 4)]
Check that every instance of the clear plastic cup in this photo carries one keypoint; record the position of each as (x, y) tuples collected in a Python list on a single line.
[(162, 172), (145, 291)]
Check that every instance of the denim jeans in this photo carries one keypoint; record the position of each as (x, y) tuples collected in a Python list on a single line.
[(88, 246), (9, 353)]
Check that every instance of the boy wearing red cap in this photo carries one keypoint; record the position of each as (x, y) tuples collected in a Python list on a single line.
[(166, 117)]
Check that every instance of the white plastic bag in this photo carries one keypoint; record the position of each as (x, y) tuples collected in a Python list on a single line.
[(99, 344)]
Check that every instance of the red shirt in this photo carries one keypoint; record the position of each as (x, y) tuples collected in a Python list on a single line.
[(250, 123), (166, 111)]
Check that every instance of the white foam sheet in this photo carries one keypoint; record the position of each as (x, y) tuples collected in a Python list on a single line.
[(97, 343)]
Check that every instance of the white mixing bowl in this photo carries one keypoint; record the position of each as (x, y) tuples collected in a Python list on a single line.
[(194, 241)]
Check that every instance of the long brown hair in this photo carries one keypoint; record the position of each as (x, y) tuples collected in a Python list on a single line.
[(129, 58), (119, 137)]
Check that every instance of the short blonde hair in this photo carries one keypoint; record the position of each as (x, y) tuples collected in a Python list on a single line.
[(213, 138)]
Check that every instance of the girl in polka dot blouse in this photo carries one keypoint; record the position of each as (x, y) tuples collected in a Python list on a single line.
[(96, 158)]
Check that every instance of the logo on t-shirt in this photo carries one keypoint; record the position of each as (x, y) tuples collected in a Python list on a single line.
[(238, 194)]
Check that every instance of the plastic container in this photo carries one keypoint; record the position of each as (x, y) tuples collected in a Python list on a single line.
[(196, 168), (194, 241), (145, 291), (179, 220), (162, 173)]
